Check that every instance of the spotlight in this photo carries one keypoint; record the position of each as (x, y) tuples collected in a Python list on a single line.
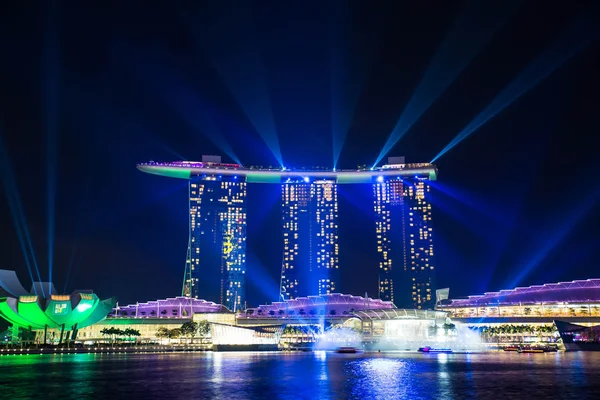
[(380, 179), (306, 179)]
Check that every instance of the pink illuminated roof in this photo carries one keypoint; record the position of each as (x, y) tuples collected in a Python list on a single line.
[(339, 303), (176, 307), (576, 291)]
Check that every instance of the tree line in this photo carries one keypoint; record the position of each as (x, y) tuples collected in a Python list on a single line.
[(509, 329), (188, 329)]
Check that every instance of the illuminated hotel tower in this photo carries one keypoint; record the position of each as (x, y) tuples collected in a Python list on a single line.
[(310, 237), (217, 242), (404, 241), (217, 237), (419, 270), (389, 232)]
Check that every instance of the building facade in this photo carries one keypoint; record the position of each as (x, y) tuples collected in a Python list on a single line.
[(310, 237), (389, 230), (217, 242), (310, 259), (404, 236)]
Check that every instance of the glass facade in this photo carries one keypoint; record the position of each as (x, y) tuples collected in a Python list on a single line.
[(404, 242), (310, 238), (388, 205), (217, 242)]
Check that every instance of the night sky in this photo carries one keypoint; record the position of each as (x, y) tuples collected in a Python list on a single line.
[(86, 92)]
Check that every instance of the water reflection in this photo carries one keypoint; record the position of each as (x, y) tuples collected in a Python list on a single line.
[(317, 375)]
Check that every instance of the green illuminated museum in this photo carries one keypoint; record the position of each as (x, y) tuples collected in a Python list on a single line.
[(43, 309)]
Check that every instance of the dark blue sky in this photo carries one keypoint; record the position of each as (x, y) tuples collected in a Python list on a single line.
[(117, 83)]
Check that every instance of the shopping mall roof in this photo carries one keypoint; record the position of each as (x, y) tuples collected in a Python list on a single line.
[(190, 169), (399, 313), (175, 307), (334, 303), (567, 292)]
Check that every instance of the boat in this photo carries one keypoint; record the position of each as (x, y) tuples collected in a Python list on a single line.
[(511, 348), (429, 349), (532, 349), (347, 350), (550, 349)]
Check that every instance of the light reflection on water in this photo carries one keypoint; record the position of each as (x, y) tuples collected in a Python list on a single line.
[(317, 375)]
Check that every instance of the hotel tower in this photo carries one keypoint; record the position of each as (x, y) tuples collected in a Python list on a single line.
[(309, 199)]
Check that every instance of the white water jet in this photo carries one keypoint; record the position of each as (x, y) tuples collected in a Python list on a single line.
[(333, 339)]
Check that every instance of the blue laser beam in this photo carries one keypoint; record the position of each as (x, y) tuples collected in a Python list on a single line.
[(78, 231), (17, 215), (347, 74), (188, 105), (572, 40), (183, 100), (51, 87), (455, 53), (20, 235), (560, 234), (236, 57)]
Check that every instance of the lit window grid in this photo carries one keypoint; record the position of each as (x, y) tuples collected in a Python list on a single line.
[(419, 243), (319, 200), (226, 201), (387, 194)]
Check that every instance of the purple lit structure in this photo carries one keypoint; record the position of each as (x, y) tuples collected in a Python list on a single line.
[(177, 307), (187, 169), (582, 291), (329, 304)]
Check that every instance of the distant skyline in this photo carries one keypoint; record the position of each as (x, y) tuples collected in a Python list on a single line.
[(108, 86)]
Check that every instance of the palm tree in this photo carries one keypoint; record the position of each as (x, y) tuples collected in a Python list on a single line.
[(189, 329), (129, 332), (162, 332), (175, 333), (203, 328), (105, 332)]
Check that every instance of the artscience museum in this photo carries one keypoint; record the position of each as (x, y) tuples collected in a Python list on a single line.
[(41, 309)]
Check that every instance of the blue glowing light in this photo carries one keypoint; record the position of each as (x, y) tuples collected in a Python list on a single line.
[(380, 179), (51, 97), (571, 41), (18, 216), (454, 54), (247, 85), (306, 179)]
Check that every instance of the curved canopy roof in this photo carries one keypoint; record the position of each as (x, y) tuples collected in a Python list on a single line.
[(9, 282), (339, 303), (568, 292), (399, 313), (175, 307), (189, 169)]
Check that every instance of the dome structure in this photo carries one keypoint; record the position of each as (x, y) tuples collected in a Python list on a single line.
[(581, 291), (42, 308), (327, 304)]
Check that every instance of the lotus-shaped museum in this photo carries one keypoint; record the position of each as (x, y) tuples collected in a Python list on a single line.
[(41, 308)]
